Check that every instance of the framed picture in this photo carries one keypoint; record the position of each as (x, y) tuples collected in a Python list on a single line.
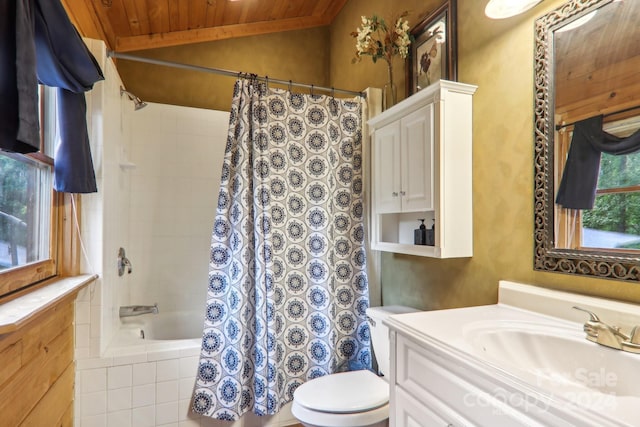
[(433, 54)]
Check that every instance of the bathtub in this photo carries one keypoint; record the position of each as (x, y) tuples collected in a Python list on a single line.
[(153, 334), (175, 325), (149, 381)]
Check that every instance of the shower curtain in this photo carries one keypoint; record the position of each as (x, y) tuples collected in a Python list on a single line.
[(287, 289)]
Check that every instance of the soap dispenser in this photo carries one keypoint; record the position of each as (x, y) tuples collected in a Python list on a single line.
[(430, 238), (420, 234)]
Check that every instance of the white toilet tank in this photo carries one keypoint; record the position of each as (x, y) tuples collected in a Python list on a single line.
[(380, 332)]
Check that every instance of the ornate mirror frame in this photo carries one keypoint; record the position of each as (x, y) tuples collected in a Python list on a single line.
[(593, 263)]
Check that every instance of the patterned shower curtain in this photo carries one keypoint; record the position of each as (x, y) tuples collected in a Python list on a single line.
[(287, 289)]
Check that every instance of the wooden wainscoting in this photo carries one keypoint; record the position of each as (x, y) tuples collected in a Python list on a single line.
[(37, 370)]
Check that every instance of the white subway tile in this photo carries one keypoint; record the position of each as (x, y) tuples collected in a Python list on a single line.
[(144, 417), (93, 403), (96, 321), (167, 391), (168, 370), (119, 419), (82, 336), (94, 362), (143, 395), (167, 413), (93, 421), (93, 380), (189, 366), (144, 373), (82, 353), (83, 312), (119, 376), (94, 348), (155, 355), (184, 410), (119, 399), (129, 359), (186, 387)]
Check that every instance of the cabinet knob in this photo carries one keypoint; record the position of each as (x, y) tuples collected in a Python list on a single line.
[(403, 193), (394, 194)]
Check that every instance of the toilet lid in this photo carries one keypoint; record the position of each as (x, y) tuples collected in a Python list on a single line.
[(346, 392)]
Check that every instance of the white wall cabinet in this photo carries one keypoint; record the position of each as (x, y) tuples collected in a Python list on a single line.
[(421, 168), (403, 151)]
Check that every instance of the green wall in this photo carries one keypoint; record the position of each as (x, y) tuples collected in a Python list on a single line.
[(495, 55), (301, 56), (498, 57)]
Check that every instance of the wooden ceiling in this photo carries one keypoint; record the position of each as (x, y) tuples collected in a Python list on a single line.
[(127, 25), (597, 65)]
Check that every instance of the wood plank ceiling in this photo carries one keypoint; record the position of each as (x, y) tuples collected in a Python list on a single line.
[(597, 64), (128, 25)]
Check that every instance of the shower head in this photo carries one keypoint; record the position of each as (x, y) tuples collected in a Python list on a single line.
[(138, 103)]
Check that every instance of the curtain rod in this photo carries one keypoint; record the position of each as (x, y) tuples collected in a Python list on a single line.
[(228, 73), (613, 113)]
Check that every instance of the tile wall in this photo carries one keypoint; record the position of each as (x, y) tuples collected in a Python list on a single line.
[(177, 153)]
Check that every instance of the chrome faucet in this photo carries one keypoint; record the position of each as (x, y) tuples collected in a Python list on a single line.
[(610, 336), (137, 310), (123, 262)]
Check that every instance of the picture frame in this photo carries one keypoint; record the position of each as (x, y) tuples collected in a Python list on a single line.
[(433, 52)]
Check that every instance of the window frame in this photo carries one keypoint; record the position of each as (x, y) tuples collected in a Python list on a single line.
[(19, 280), (568, 222)]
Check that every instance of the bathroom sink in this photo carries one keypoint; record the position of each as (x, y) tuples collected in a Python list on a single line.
[(530, 353), (556, 358)]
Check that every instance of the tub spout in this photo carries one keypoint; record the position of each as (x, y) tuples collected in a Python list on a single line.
[(137, 310)]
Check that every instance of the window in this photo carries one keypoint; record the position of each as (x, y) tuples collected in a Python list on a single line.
[(28, 208), (614, 221), (25, 206)]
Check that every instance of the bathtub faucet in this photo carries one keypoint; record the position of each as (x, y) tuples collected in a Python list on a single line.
[(137, 310)]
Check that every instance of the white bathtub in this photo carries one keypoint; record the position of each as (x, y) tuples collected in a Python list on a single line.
[(177, 330), (174, 325)]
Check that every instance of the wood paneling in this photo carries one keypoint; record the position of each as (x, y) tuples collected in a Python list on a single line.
[(127, 25), (37, 375)]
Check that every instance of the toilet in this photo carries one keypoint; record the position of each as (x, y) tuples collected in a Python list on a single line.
[(355, 398)]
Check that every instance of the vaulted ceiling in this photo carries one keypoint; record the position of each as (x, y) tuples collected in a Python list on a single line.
[(127, 25)]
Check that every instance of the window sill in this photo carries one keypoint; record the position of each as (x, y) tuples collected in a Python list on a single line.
[(14, 314)]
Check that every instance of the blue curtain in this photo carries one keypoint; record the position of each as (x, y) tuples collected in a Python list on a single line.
[(19, 120), (39, 43), (579, 181), (287, 289)]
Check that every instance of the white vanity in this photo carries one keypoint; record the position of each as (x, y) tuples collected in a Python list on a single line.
[(522, 362)]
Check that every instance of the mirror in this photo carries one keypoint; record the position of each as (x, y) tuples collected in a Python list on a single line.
[(587, 64)]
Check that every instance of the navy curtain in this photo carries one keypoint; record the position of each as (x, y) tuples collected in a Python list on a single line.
[(19, 126), (580, 176), (37, 40)]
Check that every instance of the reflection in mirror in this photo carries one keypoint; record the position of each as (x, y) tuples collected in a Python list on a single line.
[(587, 143)]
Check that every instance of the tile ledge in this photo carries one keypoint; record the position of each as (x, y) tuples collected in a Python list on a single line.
[(14, 313)]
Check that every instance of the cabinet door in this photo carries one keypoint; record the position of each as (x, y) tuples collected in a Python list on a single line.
[(386, 170), (425, 412), (417, 160)]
